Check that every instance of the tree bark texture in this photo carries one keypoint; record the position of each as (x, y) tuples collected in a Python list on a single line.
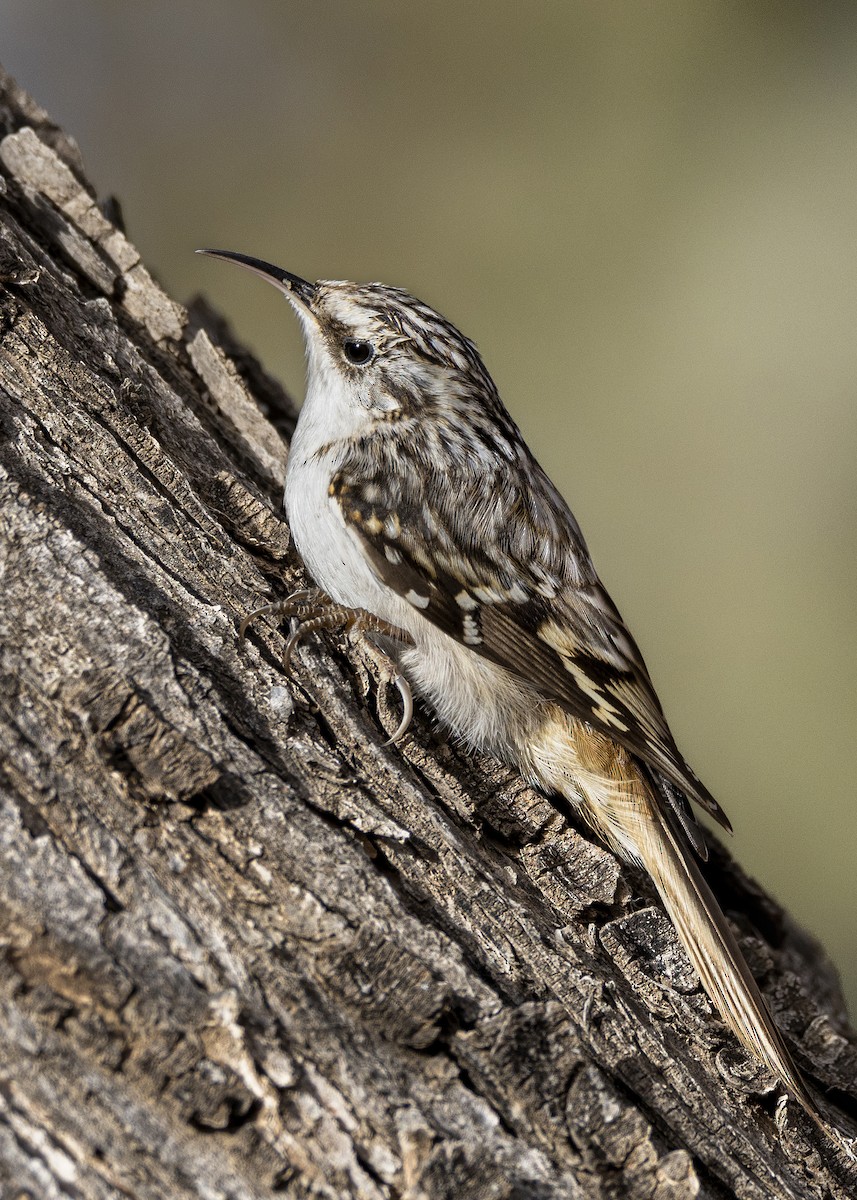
[(246, 949)]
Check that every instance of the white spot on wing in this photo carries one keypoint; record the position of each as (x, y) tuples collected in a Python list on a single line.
[(470, 630), (416, 599), (602, 708), (554, 637), (487, 595), (465, 600)]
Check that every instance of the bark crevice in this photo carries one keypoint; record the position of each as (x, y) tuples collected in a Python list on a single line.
[(246, 950)]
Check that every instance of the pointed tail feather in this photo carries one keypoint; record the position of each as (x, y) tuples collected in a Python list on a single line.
[(712, 948), (614, 796)]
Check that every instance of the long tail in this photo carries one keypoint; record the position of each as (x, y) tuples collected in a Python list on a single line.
[(713, 950), (623, 809)]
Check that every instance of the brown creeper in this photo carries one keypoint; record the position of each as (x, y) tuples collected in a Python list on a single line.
[(411, 495)]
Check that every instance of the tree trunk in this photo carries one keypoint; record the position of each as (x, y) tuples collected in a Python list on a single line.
[(248, 950)]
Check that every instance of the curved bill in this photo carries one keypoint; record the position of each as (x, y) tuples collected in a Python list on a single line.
[(291, 285)]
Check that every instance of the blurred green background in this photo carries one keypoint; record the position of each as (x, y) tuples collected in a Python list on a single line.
[(646, 216)]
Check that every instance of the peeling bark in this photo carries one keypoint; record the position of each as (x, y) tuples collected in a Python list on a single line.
[(247, 950)]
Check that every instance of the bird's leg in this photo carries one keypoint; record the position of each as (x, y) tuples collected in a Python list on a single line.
[(305, 603), (324, 613), (311, 610)]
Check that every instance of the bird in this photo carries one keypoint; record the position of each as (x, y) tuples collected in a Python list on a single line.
[(422, 516)]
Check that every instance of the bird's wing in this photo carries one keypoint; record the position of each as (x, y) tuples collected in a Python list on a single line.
[(494, 581)]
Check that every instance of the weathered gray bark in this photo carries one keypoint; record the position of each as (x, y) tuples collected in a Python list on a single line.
[(246, 949)]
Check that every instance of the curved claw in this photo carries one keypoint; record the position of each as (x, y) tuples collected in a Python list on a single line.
[(297, 632), (251, 617), (276, 608), (408, 709)]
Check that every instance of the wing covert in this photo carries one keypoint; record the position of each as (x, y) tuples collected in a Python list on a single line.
[(556, 629)]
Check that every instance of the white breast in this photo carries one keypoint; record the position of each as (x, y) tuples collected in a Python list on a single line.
[(478, 700), (334, 559), (329, 552)]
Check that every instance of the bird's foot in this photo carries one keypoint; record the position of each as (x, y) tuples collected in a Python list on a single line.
[(311, 610)]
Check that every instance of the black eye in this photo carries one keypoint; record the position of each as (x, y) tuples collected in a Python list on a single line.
[(358, 353)]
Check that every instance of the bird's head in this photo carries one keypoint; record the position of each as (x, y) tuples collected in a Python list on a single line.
[(375, 349)]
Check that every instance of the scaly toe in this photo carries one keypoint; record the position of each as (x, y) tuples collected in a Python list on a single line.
[(281, 608)]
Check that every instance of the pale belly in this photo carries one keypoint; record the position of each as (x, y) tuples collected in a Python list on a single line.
[(329, 551), (470, 695)]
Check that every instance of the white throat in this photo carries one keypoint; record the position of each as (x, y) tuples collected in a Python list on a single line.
[(330, 419)]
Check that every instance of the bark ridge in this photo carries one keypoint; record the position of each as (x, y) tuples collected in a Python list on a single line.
[(247, 951)]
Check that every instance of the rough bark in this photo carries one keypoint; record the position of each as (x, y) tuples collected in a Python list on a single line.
[(246, 950)]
